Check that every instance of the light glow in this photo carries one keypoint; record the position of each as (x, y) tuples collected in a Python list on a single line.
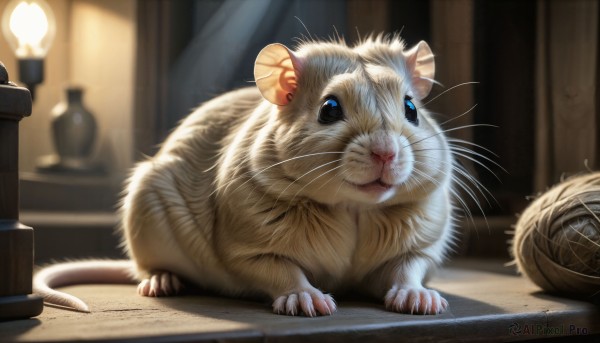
[(29, 23), (28, 26)]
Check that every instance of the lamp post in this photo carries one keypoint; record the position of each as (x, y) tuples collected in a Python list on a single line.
[(16, 240), (29, 27)]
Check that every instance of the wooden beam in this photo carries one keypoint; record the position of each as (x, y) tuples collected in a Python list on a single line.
[(566, 77)]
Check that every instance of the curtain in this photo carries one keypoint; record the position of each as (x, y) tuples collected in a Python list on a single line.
[(221, 54), (192, 51)]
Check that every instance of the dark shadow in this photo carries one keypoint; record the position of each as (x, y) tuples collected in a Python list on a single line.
[(346, 302), (358, 319), (12, 330)]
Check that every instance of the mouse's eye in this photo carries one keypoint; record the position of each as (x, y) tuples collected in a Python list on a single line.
[(331, 111), (410, 111)]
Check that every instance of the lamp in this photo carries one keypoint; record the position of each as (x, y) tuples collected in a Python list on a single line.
[(29, 28)]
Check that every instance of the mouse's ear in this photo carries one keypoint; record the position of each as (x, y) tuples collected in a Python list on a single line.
[(421, 64), (276, 73)]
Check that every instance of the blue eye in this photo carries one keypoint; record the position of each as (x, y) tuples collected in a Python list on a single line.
[(331, 111), (410, 111)]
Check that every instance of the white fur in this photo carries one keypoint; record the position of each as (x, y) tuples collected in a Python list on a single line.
[(247, 197)]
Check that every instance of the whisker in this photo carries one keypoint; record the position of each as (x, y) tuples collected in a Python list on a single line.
[(303, 175), (464, 153), (462, 141), (480, 187), (460, 171), (313, 180), (328, 181), (454, 147), (289, 185), (456, 117), (269, 167), (292, 200), (344, 172), (464, 173), (456, 196), (450, 130), (305, 28), (447, 90), (417, 183)]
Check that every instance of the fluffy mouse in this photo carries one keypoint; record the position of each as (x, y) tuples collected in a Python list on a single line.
[(327, 177)]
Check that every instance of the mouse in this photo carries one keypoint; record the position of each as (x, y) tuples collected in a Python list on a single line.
[(328, 176)]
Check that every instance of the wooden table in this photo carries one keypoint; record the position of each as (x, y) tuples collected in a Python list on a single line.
[(484, 306)]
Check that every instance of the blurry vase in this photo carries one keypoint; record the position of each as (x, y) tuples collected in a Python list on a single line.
[(73, 127), (74, 134)]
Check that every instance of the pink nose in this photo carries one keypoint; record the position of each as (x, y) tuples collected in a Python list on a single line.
[(383, 156)]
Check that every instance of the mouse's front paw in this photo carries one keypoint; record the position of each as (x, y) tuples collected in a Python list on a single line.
[(415, 300), (160, 284), (309, 302)]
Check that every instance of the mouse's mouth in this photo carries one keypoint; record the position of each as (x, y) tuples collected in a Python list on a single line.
[(377, 186)]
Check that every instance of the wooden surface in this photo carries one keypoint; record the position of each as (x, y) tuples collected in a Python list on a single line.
[(484, 306)]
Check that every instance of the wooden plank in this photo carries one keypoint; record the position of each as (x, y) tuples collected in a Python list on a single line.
[(543, 156), (484, 306), (452, 44), (572, 47), (566, 77)]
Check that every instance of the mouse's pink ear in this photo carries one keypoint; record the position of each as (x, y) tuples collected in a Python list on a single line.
[(276, 72), (421, 64)]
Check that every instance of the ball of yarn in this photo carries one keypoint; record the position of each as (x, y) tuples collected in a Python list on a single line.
[(557, 238)]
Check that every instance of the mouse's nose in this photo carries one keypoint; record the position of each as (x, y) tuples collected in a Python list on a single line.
[(384, 147), (384, 156)]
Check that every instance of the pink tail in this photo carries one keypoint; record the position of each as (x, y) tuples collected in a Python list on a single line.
[(79, 272)]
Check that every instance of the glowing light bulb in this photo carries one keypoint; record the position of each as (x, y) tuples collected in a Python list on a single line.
[(29, 27), (29, 23)]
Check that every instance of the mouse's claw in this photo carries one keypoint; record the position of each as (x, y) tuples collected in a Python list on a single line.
[(415, 300), (160, 284), (311, 303)]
